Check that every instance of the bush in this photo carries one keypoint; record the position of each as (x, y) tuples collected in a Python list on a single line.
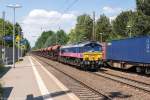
[(1, 91), (1, 68)]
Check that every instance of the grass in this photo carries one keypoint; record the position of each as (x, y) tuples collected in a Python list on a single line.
[(2, 68), (1, 91)]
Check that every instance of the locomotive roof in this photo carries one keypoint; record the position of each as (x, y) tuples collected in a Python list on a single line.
[(80, 44)]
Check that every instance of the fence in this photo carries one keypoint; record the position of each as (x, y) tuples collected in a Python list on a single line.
[(9, 54)]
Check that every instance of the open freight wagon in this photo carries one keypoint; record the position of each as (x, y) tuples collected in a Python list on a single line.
[(129, 53)]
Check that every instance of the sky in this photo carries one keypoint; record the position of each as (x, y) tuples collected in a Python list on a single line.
[(36, 16)]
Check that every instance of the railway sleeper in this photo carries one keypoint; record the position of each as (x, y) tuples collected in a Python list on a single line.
[(147, 70)]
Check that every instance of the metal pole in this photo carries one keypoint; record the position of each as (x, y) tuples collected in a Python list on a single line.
[(4, 40), (14, 40), (18, 44), (93, 36), (14, 7)]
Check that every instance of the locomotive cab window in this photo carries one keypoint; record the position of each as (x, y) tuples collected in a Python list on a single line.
[(92, 48)]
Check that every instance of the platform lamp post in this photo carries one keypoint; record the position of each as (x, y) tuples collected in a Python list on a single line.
[(14, 7)]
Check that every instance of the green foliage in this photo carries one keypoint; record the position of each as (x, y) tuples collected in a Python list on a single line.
[(72, 36), (1, 91), (1, 68), (142, 21), (50, 41), (120, 24), (18, 28), (27, 45), (60, 37), (42, 39), (84, 28), (8, 30), (103, 26), (143, 6), (141, 24)]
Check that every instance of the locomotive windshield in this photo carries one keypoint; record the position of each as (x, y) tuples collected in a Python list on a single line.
[(92, 48)]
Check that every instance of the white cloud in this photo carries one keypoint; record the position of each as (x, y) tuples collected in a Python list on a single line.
[(112, 18), (111, 10), (39, 20)]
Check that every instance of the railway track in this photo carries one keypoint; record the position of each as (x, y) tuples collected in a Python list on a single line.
[(129, 82), (84, 84)]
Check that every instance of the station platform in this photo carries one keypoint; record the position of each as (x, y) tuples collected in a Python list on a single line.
[(29, 80)]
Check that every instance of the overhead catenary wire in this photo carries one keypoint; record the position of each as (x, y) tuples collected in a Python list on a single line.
[(65, 10), (71, 5)]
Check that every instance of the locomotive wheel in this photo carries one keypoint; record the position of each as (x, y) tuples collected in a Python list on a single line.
[(85, 68), (147, 71), (138, 69)]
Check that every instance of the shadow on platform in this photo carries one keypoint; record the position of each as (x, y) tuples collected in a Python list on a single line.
[(117, 95), (6, 92), (3, 71), (30, 66), (52, 95)]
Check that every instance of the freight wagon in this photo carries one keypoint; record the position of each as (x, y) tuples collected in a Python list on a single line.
[(129, 53)]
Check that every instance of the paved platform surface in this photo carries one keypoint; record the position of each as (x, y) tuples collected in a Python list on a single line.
[(31, 81)]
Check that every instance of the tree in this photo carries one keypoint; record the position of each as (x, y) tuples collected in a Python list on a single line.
[(72, 36), (27, 45), (121, 22), (42, 39), (8, 31), (143, 6), (141, 24), (103, 26), (142, 19), (18, 28), (51, 40), (84, 28), (60, 37)]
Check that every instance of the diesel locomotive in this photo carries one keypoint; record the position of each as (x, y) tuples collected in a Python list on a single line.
[(85, 55)]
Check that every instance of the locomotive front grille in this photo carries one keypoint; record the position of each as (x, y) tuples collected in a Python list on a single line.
[(92, 56)]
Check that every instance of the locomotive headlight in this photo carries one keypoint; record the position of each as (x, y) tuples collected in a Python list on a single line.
[(99, 59), (86, 57), (88, 62), (99, 63), (99, 56)]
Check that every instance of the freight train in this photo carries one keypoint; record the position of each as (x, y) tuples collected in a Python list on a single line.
[(85, 55), (129, 53), (125, 54)]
